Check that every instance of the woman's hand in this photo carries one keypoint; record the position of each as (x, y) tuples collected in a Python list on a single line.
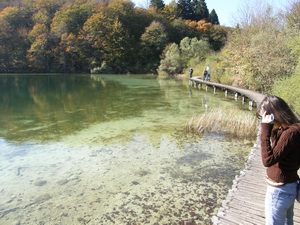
[(267, 118)]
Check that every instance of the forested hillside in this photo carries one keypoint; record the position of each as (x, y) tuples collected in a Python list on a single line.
[(100, 35)]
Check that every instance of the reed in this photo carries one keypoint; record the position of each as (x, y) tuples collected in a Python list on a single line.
[(223, 120)]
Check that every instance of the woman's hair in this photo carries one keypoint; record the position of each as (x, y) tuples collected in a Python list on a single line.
[(279, 108)]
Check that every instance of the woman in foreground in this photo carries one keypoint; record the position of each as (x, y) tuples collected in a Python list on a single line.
[(280, 151)]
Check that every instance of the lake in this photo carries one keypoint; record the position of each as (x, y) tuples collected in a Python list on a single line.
[(111, 149)]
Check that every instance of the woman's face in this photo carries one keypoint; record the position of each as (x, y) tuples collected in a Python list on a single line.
[(262, 110)]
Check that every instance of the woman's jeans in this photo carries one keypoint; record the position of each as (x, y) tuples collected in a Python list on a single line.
[(279, 204)]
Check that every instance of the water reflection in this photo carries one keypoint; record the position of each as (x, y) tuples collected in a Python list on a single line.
[(48, 107)]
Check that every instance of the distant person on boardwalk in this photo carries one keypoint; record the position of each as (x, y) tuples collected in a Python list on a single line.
[(280, 152), (191, 72), (208, 73), (205, 74)]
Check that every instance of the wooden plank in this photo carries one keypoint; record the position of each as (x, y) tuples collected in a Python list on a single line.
[(239, 218)]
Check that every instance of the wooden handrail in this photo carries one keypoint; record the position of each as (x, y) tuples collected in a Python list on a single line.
[(253, 95)]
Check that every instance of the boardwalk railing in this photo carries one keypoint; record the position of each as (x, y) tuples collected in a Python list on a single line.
[(255, 97)]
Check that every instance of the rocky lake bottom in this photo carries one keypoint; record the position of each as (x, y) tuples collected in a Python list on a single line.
[(163, 180)]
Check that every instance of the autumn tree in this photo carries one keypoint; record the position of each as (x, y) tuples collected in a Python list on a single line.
[(70, 19), (14, 23), (69, 54), (39, 54), (79, 35), (110, 41), (169, 11), (133, 20)]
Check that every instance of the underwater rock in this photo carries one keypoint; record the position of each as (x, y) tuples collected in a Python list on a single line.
[(42, 198), (142, 173), (82, 220), (62, 182), (16, 223), (135, 183), (190, 222), (40, 183)]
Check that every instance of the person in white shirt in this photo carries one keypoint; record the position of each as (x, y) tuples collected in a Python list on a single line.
[(208, 73)]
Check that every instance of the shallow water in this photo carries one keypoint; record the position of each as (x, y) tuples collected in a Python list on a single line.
[(110, 150)]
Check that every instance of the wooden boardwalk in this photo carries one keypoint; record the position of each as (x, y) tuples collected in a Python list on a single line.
[(252, 95), (244, 204)]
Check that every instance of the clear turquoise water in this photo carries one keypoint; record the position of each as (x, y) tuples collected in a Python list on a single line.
[(110, 149)]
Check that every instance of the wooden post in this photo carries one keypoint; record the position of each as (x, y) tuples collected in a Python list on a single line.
[(214, 90), (226, 92), (206, 88), (236, 96), (250, 105), (243, 100), (200, 85)]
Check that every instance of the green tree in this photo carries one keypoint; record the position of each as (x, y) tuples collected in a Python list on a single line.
[(213, 18), (157, 4), (192, 48), (217, 37), (178, 30), (171, 63), (185, 9), (153, 42), (200, 10)]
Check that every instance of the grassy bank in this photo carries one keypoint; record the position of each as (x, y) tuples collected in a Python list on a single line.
[(228, 121)]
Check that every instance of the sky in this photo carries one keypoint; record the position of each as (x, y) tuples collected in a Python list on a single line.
[(226, 10)]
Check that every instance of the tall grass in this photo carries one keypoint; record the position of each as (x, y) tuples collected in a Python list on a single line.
[(229, 121)]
